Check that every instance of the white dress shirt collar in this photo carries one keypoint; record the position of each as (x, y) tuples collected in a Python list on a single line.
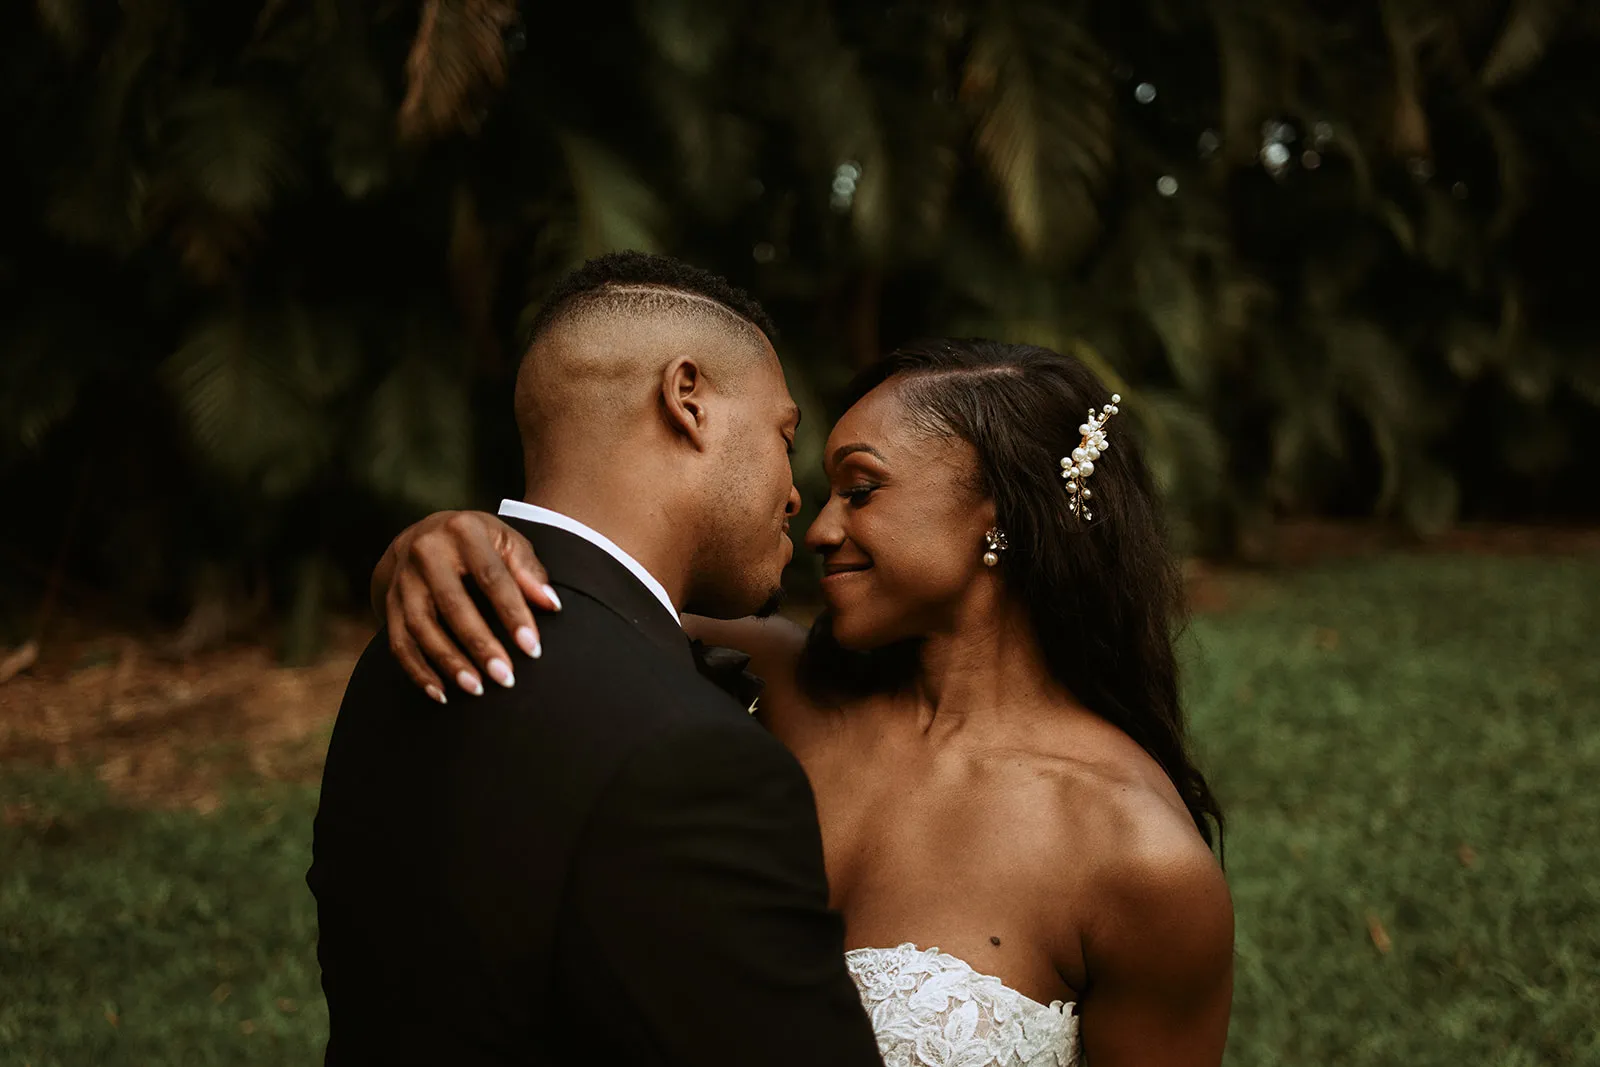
[(518, 509)]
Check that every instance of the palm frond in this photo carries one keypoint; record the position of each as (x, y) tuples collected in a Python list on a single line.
[(715, 148), (1045, 132), (616, 210), (1376, 377), (64, 21), (1451, 242), (1531, 371), (924, 130), (247, 420), (1409, 132), (819, 83), (1165, 289), (1530, 26), (1470, 347), (39, 382), (689, 35), (345, 90), (415, 444), (474, 266), (233, 148), (1515, 164), (96, 198), (1583, 374), (1257, 45), (459, 54), (1187, 456), (319, 352), (1432, 500)]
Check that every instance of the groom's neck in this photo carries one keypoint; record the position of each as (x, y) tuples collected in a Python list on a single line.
[(638, 521)]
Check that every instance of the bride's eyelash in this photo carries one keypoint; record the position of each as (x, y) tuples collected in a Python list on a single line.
[(857, 494)]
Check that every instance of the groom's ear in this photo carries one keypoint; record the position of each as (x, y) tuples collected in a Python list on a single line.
[(683, 400)]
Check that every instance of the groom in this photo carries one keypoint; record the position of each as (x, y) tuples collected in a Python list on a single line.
[(609, 861)]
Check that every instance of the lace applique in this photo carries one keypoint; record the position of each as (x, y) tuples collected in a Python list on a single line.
[(931, 1009)]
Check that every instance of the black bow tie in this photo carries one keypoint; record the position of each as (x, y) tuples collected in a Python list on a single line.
[(725, 667)]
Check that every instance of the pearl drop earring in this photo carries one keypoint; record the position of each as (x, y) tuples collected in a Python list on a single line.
[(995, 540)]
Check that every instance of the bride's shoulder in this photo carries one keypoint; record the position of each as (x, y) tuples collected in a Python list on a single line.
[(1116, 810), (1149, 844), (1144, 895), (1143, 861)]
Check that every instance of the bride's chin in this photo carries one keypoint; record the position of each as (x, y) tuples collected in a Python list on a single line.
[(855, 634)]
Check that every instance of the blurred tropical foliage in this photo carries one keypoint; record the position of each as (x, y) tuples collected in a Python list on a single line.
[(263, 263)]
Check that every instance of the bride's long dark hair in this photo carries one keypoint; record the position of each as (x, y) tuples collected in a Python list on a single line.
[(1105, 596)]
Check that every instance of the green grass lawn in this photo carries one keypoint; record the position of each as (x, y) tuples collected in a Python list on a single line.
[(156, 939), (1457, 708), (1408, 748)]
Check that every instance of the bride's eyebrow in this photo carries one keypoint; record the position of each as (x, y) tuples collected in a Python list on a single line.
[(842, 451)]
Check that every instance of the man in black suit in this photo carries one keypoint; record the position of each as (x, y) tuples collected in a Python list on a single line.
[(606, 860)]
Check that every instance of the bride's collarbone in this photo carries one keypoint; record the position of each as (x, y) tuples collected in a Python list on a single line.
[(981, 862), (1002, 897)]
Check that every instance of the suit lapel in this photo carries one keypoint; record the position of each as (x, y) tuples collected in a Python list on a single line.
[(580, 565)]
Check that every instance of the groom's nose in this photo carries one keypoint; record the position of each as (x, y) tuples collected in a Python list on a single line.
[(791, 507)]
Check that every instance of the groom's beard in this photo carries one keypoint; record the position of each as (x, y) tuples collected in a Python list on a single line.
[(770, 607)]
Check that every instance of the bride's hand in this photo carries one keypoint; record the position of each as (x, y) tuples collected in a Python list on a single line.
[(420, 579)]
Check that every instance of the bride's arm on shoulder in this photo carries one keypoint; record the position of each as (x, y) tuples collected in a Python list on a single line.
[(419, 589), (1159, 955)]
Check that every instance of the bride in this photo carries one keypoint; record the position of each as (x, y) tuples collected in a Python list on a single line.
[(988, 711)]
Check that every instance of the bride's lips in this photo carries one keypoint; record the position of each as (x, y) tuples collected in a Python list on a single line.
[(836, 571)]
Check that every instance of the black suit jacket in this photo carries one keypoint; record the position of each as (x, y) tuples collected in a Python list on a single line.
[(610, 862)]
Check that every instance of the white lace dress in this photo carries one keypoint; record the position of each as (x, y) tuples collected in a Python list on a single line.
[(931, 1009)]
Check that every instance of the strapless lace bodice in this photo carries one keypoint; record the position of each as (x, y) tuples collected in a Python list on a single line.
[(931, 1009)]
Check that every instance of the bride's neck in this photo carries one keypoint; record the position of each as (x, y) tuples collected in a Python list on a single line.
[(987, 668)]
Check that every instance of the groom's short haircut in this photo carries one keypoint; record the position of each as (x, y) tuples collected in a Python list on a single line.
[(641, 282), (597, 346)]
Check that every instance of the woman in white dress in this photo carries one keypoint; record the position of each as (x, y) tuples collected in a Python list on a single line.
[(988, 710)]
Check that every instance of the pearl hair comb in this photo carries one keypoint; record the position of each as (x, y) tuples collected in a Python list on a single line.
[(1077, 467)]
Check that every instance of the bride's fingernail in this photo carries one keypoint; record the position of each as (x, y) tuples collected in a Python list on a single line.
[(500, 671), (436, 694), (550, 591), (528, 641), (469, 681)]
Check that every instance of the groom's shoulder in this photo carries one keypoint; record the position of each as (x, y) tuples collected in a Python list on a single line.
[(600, 679), (597, 659)]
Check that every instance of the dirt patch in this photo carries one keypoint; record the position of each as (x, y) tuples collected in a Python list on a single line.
[(173, 734)]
